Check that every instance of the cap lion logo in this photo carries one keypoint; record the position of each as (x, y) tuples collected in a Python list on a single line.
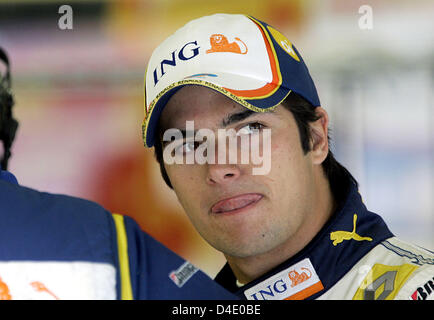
[(220, 43)]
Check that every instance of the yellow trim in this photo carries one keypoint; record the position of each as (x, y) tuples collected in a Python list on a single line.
[(124, 265), (144, 91), (280, 39)]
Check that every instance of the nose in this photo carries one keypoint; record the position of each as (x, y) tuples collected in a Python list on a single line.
[(222, 173)]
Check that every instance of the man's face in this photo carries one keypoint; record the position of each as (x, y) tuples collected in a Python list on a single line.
[(238, 213)]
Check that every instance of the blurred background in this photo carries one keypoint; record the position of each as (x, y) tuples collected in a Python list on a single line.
[(79, 101)]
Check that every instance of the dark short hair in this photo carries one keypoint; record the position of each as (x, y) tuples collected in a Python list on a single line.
[(338, 176), (8, 124), (304, 113)]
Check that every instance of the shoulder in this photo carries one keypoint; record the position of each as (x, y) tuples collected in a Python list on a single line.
[(32, 220), (18, 201), (395, 269), (417, 265), (407, 252), (63, 242)]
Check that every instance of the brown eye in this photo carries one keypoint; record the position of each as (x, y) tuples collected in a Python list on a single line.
[(250, 128), (255, 126), (187, 147)]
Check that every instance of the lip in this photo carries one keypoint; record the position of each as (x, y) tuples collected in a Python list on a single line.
[(236, 204)]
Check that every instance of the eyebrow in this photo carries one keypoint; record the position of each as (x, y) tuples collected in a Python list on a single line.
[(228, 120), (232, 118), (237, 117)]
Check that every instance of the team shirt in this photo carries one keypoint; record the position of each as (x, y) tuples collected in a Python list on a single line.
[(354, 256)]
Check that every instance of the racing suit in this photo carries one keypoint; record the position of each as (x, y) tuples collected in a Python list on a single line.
[(354, 256), (61, 247)]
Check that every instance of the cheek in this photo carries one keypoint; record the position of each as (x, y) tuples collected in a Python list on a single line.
[(186, 183), (290, 167), (284, 154), (179, 172)]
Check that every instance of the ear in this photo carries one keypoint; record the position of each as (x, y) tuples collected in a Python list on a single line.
[(319, 136)]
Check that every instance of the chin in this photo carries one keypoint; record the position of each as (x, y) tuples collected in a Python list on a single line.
[(243, 253), (244, 248)]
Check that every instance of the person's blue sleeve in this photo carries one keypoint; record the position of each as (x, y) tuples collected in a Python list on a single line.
[(159, 273)]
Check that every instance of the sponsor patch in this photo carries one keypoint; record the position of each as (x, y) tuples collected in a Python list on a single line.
[(423, 292), (297, 282), (55, 280), (181, 275), (383, 282)]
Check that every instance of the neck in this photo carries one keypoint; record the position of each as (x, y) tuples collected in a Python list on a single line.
[(247, 269)]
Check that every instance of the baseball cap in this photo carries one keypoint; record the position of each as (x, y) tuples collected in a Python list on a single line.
[(237, 55)]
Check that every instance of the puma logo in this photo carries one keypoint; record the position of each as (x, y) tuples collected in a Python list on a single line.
[(297, 278), (339, 236), (219, 43)]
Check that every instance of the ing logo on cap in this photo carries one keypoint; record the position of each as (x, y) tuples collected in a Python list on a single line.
[(219, 43)]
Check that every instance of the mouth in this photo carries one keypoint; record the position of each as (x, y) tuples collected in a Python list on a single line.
[(236, 204)]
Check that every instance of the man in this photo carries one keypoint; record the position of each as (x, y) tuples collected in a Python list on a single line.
[(61, 247), (298, 229)]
